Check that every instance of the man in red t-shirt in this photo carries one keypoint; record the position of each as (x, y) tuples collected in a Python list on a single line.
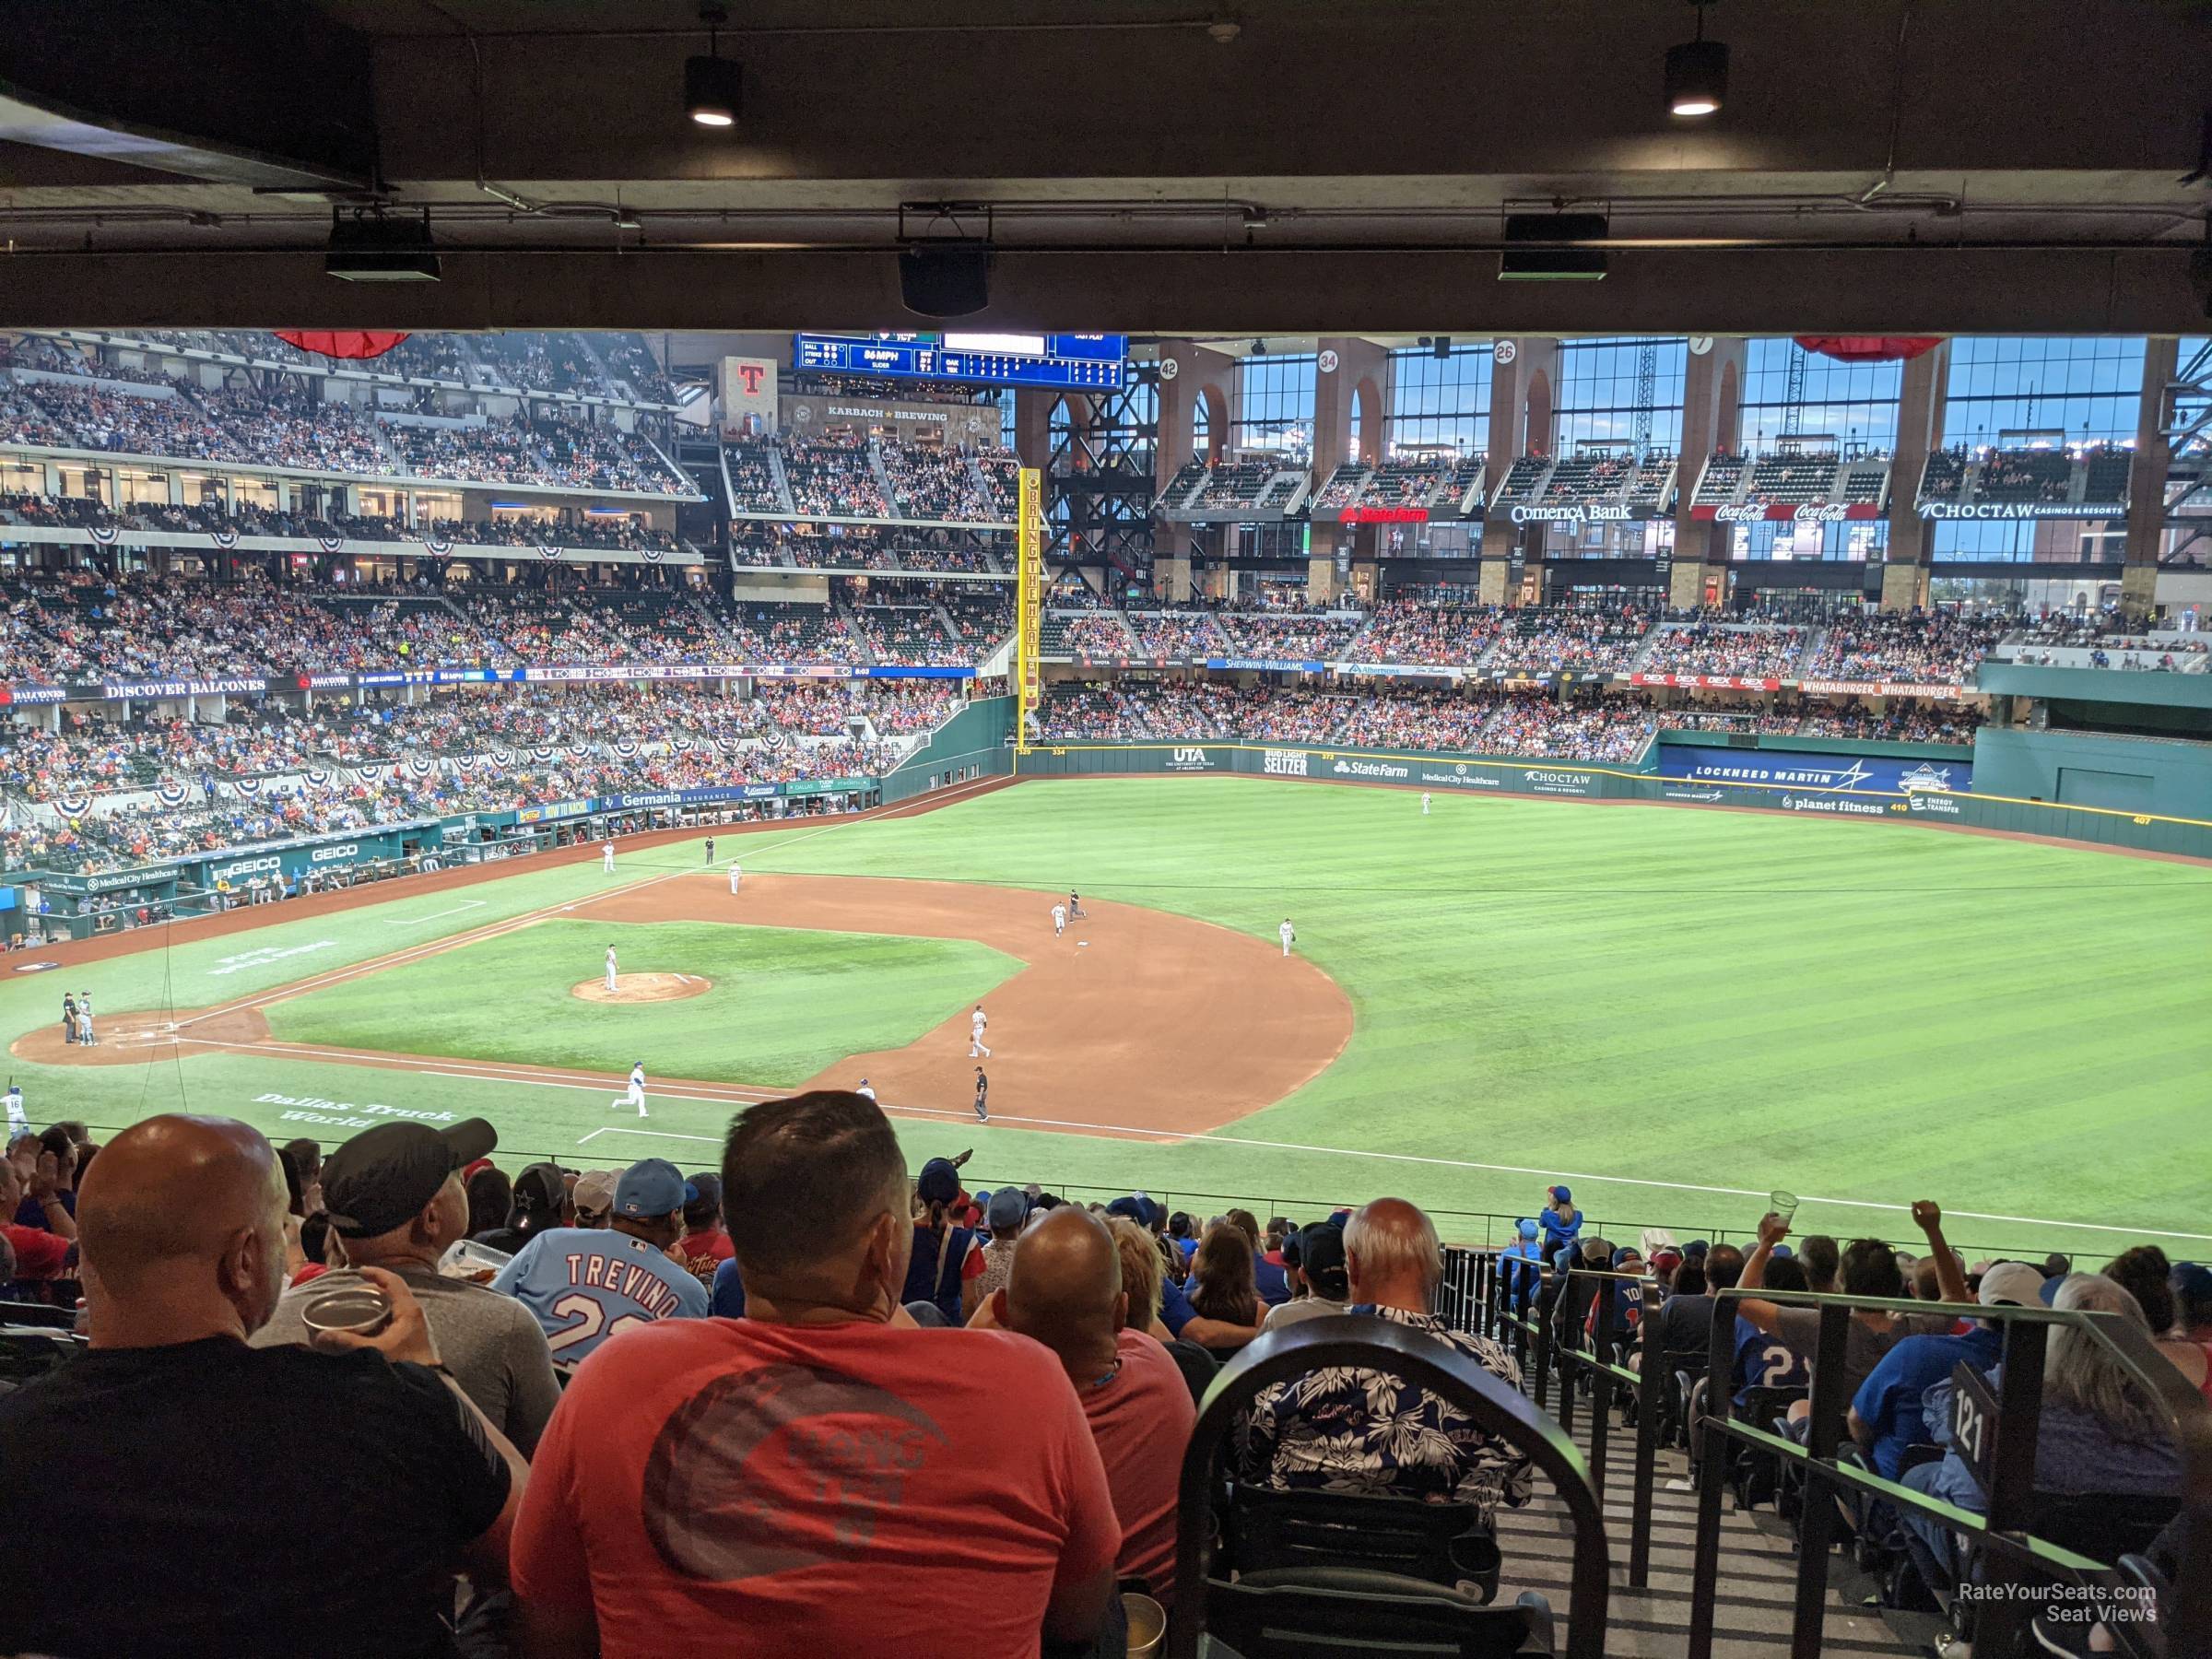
[(704, 1246), (820, 1477), (1064, 1290), (41, 1253)]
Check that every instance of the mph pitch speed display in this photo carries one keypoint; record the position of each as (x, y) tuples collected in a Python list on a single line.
[(1093, 361)]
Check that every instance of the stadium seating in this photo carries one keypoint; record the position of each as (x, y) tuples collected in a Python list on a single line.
[(1737, 649)]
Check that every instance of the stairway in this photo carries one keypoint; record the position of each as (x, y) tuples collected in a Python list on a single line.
[(1758, 1568), (775, 466)]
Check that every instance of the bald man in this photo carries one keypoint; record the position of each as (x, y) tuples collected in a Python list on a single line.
[(1064, 1290), (167, 1460), (1358, 1430)]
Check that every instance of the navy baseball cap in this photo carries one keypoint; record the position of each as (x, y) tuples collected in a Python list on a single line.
[(940, 1181), (1562, 1195), (652, 1186)]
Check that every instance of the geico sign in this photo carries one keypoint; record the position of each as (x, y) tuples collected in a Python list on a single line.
[(351, 850), (248, 867), (1594, 514)]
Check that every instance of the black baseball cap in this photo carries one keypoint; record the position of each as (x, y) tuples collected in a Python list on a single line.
[(382, 1176), (1321, 1259)]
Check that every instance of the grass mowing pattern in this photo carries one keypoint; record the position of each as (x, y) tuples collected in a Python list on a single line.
[(1652, 1000), (783, 1004), (1852, 1011)]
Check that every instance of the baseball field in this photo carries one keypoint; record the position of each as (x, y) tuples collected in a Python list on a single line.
[(1673, 1011)]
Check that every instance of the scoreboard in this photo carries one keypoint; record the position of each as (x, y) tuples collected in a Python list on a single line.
[(1083, 361)]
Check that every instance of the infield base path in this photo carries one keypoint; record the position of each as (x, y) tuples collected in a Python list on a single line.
[(1133, 1021)]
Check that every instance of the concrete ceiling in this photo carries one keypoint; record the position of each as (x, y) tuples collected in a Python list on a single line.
[(1937, 166)]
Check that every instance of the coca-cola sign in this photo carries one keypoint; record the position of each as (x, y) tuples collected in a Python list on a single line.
[(1784, 512)]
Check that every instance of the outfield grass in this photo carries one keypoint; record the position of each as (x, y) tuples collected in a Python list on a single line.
[(1651, 1002), (782, 1003)]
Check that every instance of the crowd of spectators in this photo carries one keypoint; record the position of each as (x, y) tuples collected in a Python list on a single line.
[(930, 483), (1926, 648), (1570, 638), (1289, 638), (1473, 720), (1734, 650), (289, 423), (834, 477), (1411, 631), (555, 1339)]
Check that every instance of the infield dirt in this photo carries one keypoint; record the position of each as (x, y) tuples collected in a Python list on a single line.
[(1132, 1021)]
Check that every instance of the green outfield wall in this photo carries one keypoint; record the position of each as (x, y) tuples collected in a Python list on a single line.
[(2189, 835), (972, 744)]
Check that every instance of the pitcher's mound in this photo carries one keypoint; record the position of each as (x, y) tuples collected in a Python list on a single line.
[(642, 988)]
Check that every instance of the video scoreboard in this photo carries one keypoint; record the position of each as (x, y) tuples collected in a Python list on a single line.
[(1093, 362)]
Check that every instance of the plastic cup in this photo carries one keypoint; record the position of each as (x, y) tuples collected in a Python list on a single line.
[(361, 1311), (1782, 1204), (1148, 1624)]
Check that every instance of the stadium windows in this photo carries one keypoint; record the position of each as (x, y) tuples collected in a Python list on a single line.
[(1854, 402), (2086, 387), (1443, 400), (1601, 396), (1275, 404)]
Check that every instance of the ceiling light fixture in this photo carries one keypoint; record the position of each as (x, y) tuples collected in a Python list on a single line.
[(714, 86), (1696, 72), (371, 248), (1553, 247)]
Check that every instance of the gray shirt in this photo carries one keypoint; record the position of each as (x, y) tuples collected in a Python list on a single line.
[(1304, 1307), (492, 1344)]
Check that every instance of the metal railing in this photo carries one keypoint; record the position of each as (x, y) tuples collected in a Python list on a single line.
[(1518, 1302), (2011, 1555)]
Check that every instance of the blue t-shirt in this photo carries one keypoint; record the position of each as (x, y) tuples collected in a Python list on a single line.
[(1888, 1401), (1267, 1277), (1764, 1362), (727, 1300), (584, 1284), (1557, 1232), (1175, 1310)]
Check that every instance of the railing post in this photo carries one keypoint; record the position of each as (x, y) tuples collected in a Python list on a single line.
[(1710, 1447), (1601, 1386), (2001, 1619), (1568, 1335), (1548, 1295), (1816, 1524), (1650, 1378)]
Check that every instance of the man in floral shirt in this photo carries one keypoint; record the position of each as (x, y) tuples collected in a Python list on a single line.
[(1346, 1429)]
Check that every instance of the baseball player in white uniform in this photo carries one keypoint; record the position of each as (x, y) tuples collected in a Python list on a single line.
[(610, 966), (606, 858), (735, 871), (1059, 920), (17, 1123), (1290, 935), (976, 1023), (866, 1090), (1424, 803), (636, 1096)]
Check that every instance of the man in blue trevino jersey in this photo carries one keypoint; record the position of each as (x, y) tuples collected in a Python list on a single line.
[(586, 1283)]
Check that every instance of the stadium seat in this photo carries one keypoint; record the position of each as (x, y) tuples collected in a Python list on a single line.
[(1443, 1544), (1329, 1612)]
